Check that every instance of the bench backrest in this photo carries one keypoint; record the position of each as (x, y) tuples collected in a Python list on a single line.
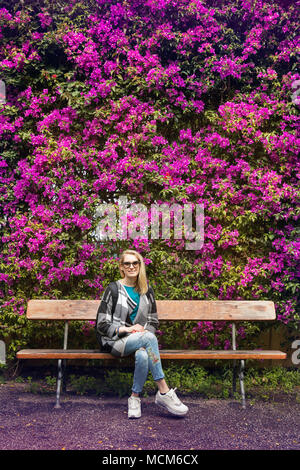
[(225, 310)]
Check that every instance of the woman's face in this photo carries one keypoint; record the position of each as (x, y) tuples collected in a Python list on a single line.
[(130, 266)]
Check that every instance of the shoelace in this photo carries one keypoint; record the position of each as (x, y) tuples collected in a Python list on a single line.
[(134, 403), (174, 396)]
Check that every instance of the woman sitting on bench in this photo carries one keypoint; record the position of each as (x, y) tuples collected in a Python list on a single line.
[(128, 324)]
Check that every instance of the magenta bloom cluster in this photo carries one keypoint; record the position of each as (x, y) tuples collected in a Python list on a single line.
[(182, 101)]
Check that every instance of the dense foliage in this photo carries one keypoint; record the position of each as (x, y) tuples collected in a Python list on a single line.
[(176, 101)]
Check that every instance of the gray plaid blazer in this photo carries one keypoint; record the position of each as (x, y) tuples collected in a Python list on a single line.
[(107, 320)]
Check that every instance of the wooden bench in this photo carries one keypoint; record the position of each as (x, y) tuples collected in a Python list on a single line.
[(168, 310)]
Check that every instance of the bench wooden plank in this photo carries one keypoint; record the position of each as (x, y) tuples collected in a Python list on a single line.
[(228, 310), (198, 310), (222, 354), (164, 354), (47, 309)]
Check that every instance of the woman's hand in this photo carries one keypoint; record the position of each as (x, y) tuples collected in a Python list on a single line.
[(137, 328), (131, 329)]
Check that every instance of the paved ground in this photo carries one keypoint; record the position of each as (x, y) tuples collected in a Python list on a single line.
[(29, 421)]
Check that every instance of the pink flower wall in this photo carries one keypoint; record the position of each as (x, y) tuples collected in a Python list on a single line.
[(160, 101)]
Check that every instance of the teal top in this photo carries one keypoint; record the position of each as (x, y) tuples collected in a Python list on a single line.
[(136, 298)]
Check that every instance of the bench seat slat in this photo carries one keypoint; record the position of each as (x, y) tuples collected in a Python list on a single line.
[(164, 354), (194, 310)]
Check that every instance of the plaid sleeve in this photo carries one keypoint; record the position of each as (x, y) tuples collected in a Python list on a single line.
[(104, 319), (152, 320)]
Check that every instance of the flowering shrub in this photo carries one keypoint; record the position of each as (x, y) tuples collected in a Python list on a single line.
[(179, 101)]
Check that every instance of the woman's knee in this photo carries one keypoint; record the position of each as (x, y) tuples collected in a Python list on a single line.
[(148, 336), (141, 357)]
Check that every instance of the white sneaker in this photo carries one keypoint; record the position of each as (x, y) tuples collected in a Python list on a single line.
[(134, 407), (171, 402)]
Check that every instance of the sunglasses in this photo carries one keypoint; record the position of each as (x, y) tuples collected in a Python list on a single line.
[(134, 264)]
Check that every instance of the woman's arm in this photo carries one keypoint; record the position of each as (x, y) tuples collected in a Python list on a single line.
[(104, 324)]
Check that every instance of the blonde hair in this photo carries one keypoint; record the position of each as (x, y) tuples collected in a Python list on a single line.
[(141, 285)]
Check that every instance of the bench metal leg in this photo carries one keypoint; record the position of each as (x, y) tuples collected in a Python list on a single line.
[(241, 375), (234, 361), (58, 387), (61, 366)]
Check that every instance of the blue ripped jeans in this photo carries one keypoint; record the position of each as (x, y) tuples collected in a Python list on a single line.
[(147, 357)]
